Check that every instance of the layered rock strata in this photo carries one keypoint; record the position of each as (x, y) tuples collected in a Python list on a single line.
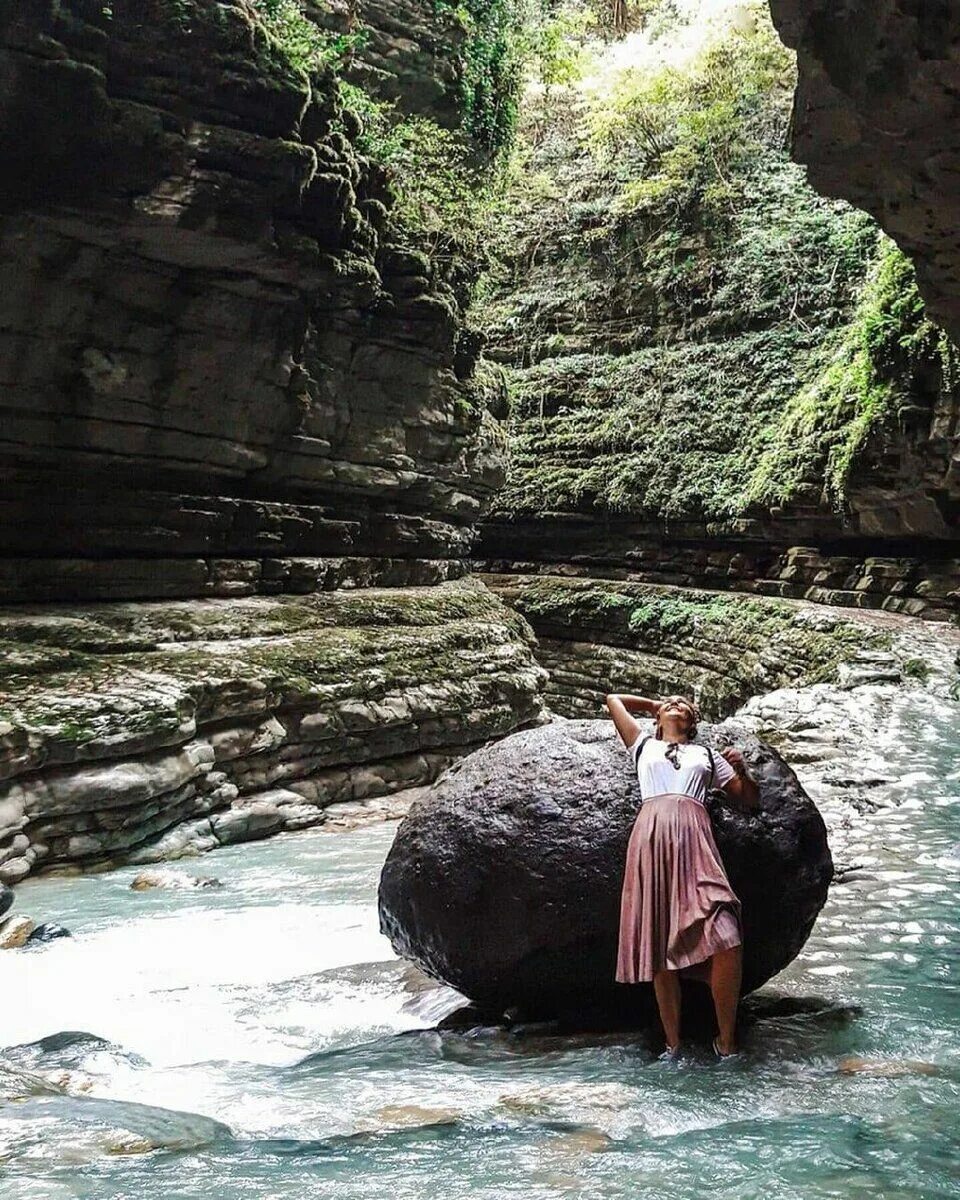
[(504, 880), (596, 636), (876, 118), (217, 354), (741, 393), (926, 587), (409, 52), (242, 717)]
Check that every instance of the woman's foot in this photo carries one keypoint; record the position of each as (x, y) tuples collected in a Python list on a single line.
[(727, 1051), (670, 1054)]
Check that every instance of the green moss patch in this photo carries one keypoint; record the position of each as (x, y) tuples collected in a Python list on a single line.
[(744, 644)]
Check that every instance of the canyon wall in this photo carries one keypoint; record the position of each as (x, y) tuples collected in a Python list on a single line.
[(876, 120), (247, 438), (719, 377), (245, 442), (222, 366)]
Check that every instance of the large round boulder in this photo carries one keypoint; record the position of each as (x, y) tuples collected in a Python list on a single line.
[(504, 880)]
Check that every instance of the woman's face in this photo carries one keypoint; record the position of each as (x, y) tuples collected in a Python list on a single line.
[(676, 708)]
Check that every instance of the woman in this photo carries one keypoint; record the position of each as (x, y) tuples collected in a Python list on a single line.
[(678, 912)]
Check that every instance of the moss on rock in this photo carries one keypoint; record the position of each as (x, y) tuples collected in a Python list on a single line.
[(598, 635)]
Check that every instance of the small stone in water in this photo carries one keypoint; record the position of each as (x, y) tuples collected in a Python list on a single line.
[(15, 931), (411, 1116), (148, 880), (129, 1145), (581, 1141), (892, 1069), (49, 931)]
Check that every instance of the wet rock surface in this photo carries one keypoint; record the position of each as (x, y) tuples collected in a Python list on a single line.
[(16, 932), (211, 327), (504, 881), (49, 931), (598, 635)]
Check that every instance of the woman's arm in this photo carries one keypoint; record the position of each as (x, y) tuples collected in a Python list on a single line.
[(742, 787), (622, 709)]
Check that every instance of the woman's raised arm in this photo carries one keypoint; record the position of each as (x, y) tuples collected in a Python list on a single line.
[(622, 709)]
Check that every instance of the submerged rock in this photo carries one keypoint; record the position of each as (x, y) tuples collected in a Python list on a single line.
[(148, 880), (504, 880)]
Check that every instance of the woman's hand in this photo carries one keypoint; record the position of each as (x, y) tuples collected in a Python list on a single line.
[(743, 786), (735, 759)]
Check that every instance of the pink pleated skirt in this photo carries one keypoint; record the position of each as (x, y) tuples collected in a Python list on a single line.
[(677, 908)]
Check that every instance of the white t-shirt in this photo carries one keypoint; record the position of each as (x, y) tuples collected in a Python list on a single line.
[(658, 776)]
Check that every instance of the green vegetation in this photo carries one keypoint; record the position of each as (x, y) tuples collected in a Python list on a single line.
[(119, 672), (305, 45), (492, 70), (916, 668), (692, 333), (829, 426), (692, 133)]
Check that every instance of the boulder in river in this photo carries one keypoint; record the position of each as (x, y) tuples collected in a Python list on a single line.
[(504, 879)]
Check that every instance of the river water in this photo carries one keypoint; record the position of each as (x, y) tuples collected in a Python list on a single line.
[(261, 1040)]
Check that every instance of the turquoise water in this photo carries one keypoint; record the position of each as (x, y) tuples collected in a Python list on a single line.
[(261, 1040)]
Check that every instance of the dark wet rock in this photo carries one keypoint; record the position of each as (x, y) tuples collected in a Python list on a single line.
[(517, 907), (127, 215), (68, 1050), (49, 931), (767, 1007), (6, 899)]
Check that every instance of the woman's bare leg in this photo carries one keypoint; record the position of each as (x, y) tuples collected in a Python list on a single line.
[(726, 968), (666, 985)]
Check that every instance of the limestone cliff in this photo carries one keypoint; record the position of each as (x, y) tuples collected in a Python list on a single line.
[(119, 722), (719, 378), (221, 361)]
